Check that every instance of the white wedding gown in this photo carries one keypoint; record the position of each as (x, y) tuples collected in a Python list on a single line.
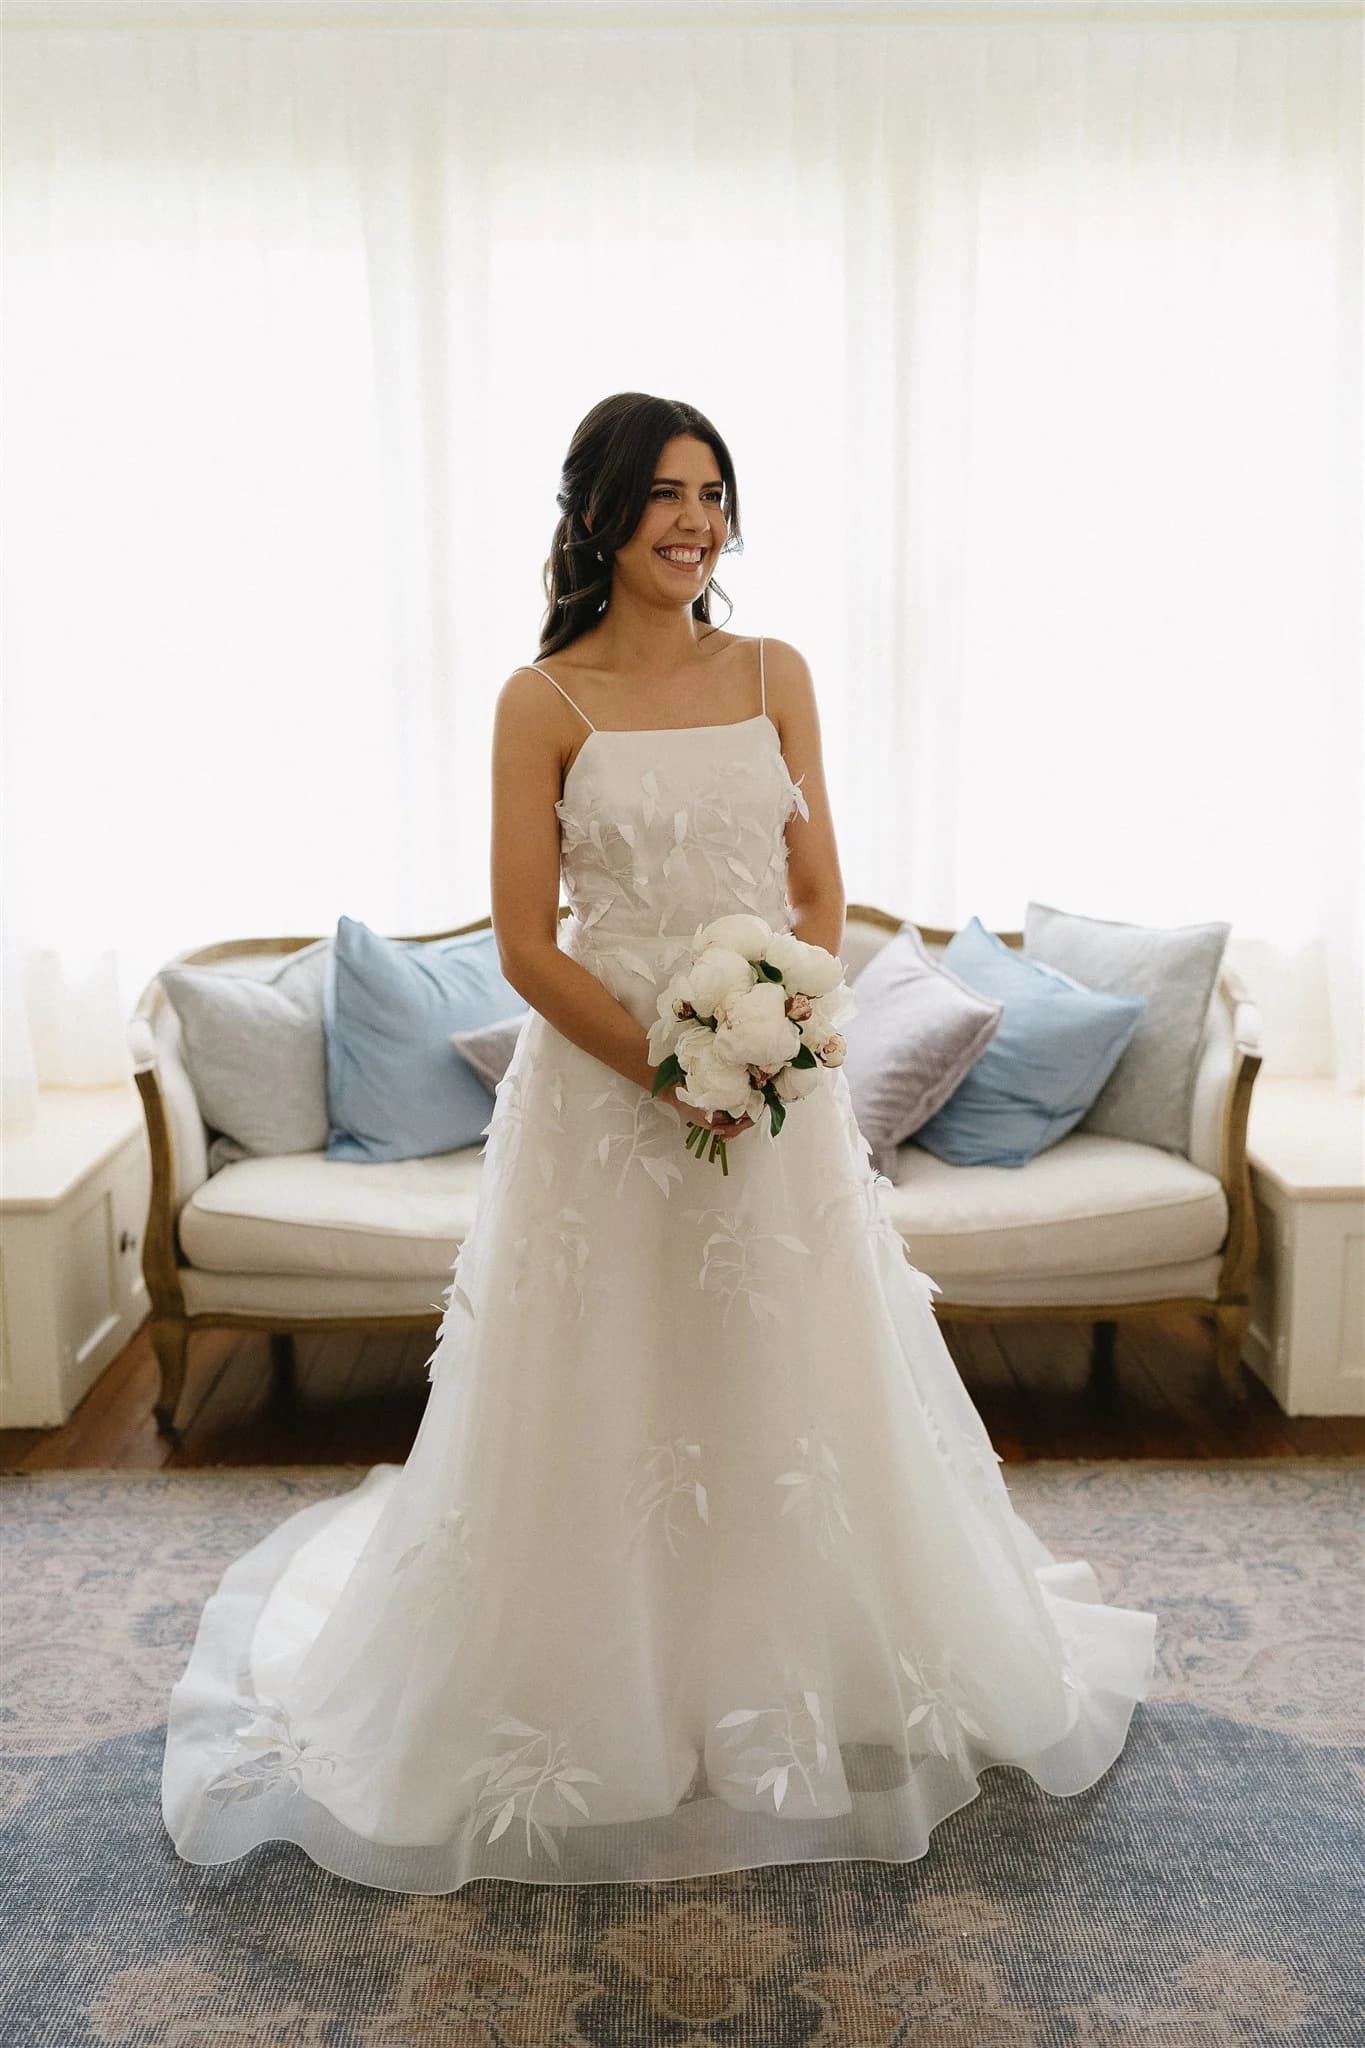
[(702, 1558)]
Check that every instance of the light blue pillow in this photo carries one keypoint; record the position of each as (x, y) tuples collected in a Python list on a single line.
[(1056, 1046), (396, 1088)]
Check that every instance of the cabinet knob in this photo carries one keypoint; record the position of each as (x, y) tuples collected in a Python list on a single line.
[(126, 1241)]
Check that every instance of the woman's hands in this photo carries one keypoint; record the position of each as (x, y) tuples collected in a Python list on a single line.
[(715, 1121)]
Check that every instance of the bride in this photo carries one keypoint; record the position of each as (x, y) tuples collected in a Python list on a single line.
[(702, 1558)]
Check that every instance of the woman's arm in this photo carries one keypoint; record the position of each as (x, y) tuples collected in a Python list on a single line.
[(815, 886), (531, 741)]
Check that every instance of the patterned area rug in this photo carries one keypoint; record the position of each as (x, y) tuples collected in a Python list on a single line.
[(1206, 1893)]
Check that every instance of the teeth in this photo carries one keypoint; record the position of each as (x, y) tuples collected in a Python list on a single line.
[(682, 554)]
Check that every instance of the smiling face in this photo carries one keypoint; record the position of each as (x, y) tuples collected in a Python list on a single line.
[(672, 553)]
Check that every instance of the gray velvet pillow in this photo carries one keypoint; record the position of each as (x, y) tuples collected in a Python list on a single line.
[(489, 1047), (917, 1033), (1149, 1095), (254, 1049)]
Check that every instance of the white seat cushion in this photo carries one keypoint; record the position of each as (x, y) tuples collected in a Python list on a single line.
[(314, 1297), (305, 1213), (1088, 1204)]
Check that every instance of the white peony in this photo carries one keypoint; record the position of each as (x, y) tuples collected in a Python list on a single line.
[(692, 1039), (716, 1085), (827, 1013), (753, 1028), (666, 1028), (740, 931), (812, 969), (794, 1082), (716, 973)]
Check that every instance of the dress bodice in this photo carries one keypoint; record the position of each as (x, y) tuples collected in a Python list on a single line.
[(664, 829), (661, 831)]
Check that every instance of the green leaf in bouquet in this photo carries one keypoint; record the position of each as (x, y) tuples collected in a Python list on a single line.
[(668, 1071)]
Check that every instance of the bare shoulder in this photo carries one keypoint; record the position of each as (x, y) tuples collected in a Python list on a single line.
[(785, 660), (780, 659), (791, 686), (529, 696), (530, 715)]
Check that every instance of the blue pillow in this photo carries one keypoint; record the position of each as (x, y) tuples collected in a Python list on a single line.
[(1056, 1046), (396, 1087)]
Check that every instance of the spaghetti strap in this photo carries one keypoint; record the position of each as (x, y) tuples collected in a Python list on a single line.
[(563, 693), (762, 684)]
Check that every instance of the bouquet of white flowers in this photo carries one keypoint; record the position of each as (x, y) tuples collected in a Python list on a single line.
[(751, 1020)]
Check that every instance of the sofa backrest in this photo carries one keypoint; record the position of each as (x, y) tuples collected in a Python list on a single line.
[(155, 1033)]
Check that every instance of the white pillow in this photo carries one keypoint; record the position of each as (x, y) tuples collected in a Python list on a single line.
[(254, 1050), (1149, 1095)]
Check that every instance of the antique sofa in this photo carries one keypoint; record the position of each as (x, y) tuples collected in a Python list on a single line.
[(1094, 1229)]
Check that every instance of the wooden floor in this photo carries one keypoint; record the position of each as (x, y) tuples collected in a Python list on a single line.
[(358, 1400)]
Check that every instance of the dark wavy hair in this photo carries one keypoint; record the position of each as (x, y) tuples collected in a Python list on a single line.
[(606, 479)]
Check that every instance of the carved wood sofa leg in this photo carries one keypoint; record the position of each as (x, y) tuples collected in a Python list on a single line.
[(1231, 1322), (170, 1342), (282, 1358), (1102, 1353)]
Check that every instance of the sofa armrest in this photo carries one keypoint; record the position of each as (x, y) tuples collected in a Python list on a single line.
[(1229, 1061), (176, 1137)]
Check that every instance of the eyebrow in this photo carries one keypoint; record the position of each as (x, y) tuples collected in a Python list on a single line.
[(681, 481)]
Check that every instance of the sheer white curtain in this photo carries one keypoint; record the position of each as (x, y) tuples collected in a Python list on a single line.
[(1037, 343)]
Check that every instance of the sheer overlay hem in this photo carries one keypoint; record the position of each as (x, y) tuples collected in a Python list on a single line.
[(223, 1796)]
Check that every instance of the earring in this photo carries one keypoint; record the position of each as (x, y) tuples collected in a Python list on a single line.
[(599, 554)]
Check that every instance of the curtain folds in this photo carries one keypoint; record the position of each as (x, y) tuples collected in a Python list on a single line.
[(1037, 343)]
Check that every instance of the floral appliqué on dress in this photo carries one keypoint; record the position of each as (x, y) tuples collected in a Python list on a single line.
[(535, 1779)]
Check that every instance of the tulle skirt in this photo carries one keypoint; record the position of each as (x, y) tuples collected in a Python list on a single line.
[(701, 1560)]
